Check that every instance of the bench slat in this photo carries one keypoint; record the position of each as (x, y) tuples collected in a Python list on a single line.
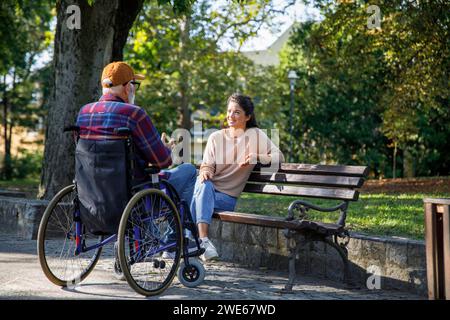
[(333, 170), (336, 194), (305, 179), (254, 219), (276, 222)]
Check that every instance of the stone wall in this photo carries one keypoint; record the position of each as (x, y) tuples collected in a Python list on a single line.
[(400, 262), (12, 193), (21, 217)]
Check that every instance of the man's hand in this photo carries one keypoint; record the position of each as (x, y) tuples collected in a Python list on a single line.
[(251, 158), (168, 143), (204, 175)]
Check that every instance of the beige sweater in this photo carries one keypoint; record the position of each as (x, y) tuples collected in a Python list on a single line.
[(224, 153)]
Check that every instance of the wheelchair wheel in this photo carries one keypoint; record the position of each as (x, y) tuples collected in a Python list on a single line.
[(193, 275), (57, 242), (150, 241)]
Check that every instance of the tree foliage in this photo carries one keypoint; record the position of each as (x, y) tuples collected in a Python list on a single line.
[(365, 92), (25, 33), (191, 65)]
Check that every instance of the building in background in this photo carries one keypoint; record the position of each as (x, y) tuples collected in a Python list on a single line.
[(270, 56)]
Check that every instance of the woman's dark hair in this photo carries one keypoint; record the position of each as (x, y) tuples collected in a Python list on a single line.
[(246, 103)]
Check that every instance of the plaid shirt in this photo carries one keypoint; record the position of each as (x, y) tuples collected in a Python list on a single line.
[(98, 120)]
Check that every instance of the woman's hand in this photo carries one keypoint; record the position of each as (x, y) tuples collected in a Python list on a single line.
[(205, 175), (251, 158)]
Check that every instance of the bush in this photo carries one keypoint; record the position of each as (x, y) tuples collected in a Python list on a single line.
[(27, 165)]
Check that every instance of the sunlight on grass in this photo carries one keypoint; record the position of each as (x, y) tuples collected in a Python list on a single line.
[(20, 183), (375, 214)]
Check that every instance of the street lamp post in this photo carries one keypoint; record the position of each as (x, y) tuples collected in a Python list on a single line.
[(292, 76)]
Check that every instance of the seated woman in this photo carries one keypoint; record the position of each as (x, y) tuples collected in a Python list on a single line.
[(229, 158)]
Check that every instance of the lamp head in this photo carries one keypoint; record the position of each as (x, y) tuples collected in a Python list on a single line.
[(292, 75)]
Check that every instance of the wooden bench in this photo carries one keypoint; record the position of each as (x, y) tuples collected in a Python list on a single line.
[(335, 182)]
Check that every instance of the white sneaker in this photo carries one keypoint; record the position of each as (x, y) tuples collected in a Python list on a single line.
[(171, 255), (210, 251)]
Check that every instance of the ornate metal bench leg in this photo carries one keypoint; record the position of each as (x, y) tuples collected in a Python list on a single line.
[(293, 251), (292, 272), (347, 278), (343, 253)]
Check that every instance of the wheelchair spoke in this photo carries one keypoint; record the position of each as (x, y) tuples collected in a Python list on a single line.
[(57, 242), (151, 223)]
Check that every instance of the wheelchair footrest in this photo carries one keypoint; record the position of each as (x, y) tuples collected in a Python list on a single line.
[(196, 253)]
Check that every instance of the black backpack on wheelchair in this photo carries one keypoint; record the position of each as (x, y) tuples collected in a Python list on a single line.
[(102, 180)]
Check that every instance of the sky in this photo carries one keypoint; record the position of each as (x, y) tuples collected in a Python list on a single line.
[(296, 13)]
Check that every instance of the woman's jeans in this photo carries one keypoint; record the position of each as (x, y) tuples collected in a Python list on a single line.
[(182, 178), (206, 200)]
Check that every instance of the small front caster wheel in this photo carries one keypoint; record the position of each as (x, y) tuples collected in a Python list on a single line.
[(192, 275)]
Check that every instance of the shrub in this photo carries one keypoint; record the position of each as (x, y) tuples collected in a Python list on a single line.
[(27, 165)]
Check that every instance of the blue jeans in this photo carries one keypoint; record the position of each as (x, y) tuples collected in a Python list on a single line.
[(206, 200), (182, 178)]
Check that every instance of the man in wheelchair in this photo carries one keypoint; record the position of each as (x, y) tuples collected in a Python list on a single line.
[(101, 154)]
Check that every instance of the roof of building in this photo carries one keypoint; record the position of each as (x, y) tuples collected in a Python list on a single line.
[(269, 56)]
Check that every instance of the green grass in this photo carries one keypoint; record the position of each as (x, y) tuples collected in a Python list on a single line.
[(28, 185), (380, 214), (20, 183), (375, 214)]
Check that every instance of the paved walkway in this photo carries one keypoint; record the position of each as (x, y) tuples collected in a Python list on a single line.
[(21, 278)]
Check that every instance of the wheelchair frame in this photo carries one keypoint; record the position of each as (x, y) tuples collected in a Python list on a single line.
[(155, 183)]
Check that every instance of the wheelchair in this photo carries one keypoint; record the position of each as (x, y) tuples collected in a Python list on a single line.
[(150, 244)]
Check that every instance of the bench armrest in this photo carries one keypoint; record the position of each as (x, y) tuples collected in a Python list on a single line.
[(304, 206)]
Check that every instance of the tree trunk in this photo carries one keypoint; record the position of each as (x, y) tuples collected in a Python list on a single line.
[(185, 119), (394, 162), (408, 164), (79, 58), (8, 150), (7, 169), (6, 160)]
